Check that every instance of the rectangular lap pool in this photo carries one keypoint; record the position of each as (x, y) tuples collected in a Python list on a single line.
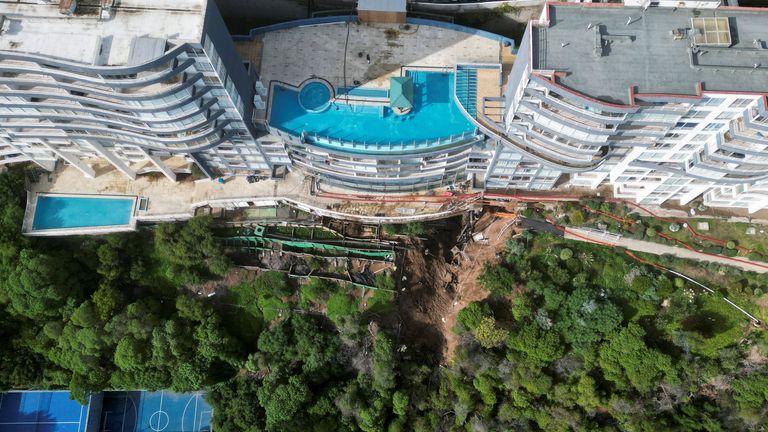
[(68, 212)]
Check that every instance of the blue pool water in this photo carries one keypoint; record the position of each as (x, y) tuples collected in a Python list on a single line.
[(434, 115), (362, 92), (314, 96), (53, 212)]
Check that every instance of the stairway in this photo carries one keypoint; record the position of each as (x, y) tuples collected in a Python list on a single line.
[(466, 89)]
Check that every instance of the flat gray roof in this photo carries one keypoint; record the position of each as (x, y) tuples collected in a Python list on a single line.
[(40, 29), (603, 56)]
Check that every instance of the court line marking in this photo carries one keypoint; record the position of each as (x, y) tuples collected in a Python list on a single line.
[(104, 421), (80, 420), (32, 423), (197, 398), (125, 411), (202, 413)]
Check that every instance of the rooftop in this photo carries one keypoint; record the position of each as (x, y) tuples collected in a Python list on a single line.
[(84, 37), (339, 52), (606, 50)]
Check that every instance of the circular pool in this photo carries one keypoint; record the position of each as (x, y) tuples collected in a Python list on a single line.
[(315, 96)]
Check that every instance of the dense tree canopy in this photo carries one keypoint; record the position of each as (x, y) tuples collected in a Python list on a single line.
[(580, 340)]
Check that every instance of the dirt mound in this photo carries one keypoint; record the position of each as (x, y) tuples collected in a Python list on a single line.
[(441, 279)]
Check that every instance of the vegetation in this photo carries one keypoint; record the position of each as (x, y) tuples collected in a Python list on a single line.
[(572, 337), (410, 229)]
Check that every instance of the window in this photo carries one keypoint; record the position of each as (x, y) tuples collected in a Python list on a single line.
[(714, 126), (727, 115), (686, 125), (697, 114), (699, 138), (740, 103), (211, 80), (708, 101)]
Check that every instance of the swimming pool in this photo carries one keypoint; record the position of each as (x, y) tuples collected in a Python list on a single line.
[(434, 115), (362, 92), (314, 96), (67, 212)]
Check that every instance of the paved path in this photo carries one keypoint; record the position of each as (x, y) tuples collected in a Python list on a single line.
[(660, 249)]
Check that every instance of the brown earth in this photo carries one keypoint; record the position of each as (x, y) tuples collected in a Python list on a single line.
[(438, 285)]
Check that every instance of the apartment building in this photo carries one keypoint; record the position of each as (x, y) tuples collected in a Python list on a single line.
[(146, 85), (660, 103)]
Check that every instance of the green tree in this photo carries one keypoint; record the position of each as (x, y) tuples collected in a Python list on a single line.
[(488, 334), (751, 391), (42, 285), (538, 346), (383, 364), (497, 279), (108, 301), (236, 406), (190, 250), (586, 319), (470, 316), (131, 354), (282, 402), (400, 402), (625, 359)]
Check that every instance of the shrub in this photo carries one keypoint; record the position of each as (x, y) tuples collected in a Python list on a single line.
[(470, 317), (679, 282), (716, 250), (488, 335), (341, 306), (385, 281), (639, 233), (566, 254), (316, 291), (390, 229), (275, 283), (674, 227), (497, 279), (650, 232), (576, 217), (731, 244), (414, 229)]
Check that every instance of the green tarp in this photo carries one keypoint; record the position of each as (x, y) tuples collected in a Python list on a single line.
[(401, 92)]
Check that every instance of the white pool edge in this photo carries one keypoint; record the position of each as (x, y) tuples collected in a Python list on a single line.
[(29, 216)]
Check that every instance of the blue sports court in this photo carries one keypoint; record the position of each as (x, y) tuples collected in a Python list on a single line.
[(34, 411), (161, 411), (118, 411)]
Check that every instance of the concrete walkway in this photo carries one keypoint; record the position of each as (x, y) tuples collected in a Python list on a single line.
[(178, 200), (660, 249)]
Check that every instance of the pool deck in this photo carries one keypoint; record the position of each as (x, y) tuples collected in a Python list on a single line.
[(488, 85), (331, 51), (169, 201)]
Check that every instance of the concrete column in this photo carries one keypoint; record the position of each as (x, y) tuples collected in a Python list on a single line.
[(72, 160), (159, 164), (695, 192), (114, 160)]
